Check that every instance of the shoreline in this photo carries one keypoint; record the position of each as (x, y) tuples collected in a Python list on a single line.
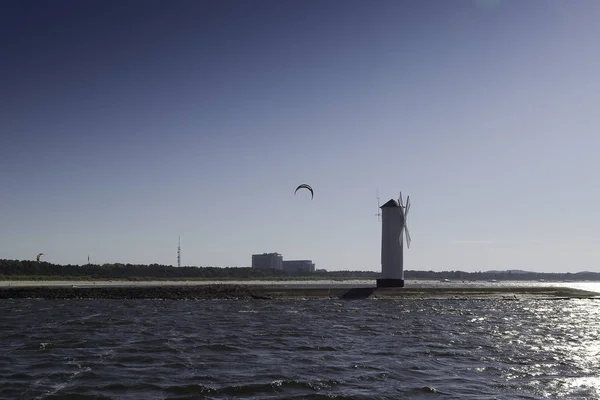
[(274, 290)]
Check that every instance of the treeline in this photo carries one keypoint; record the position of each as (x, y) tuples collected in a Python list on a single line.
[(503, 276), (15, 269)]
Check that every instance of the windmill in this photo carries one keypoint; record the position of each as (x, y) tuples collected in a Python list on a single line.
[(394, 228)]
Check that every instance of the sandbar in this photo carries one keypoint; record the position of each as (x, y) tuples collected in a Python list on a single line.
[(272, 290)]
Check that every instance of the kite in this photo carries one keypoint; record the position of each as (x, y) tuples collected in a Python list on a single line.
[(305, 186)]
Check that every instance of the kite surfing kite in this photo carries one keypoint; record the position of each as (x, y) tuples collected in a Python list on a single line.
[(38, 256), (305, 186)]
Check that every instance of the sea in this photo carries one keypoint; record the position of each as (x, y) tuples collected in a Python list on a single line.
[(458, 348)]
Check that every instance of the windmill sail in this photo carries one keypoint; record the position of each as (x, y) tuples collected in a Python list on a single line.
[(404, 214)]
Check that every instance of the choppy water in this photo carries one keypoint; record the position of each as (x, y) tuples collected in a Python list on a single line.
[(313, 349)]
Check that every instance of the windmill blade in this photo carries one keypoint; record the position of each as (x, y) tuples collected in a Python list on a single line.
[(400, 200), (407, 237), (400, 237), (407, 206)]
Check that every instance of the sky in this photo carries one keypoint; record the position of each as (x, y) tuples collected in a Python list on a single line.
[(127, 124)]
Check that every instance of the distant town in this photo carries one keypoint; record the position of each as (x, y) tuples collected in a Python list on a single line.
[(31, 269)]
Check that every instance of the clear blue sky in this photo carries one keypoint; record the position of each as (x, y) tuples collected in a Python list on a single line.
[(128, 123)]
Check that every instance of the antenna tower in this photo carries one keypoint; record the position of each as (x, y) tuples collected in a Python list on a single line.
[(378, 208), (179, 252)]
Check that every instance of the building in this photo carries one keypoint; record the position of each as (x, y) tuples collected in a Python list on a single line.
[(297, 267), (267, 261)]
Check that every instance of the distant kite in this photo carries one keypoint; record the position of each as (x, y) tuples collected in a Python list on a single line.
[(305, 186), (38, 256)]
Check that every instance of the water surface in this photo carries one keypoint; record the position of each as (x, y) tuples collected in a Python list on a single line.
[(282, 349)]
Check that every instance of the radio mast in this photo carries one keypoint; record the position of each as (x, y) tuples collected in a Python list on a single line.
[(378, 207), (179, 252)]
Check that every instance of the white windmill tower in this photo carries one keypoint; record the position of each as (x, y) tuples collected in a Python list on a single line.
[(393, 227)]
